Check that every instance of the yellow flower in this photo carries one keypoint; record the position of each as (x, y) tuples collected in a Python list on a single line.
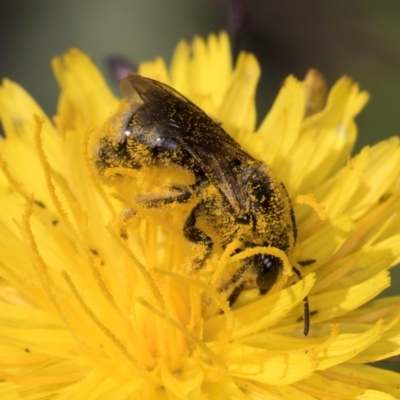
[(87, 314)]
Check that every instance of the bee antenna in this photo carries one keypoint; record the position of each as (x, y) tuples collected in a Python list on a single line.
[(306, 306)]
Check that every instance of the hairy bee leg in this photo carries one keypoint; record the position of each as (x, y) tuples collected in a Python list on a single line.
[(155, 201), (197, 236), (235, 294), (306, 306), (128, 214), (237, 282), (122, 224)]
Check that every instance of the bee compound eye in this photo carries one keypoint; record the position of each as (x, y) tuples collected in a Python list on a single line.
[(137, 122), (131, 128), (268, 269)]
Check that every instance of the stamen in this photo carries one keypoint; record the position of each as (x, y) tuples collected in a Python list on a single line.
[(198, 342), (15, 185), (107, 294), (142, 269), (44, 380), (224, 262), (145, 212), (42, 272), (23, 285), (107, 332), (311, 201), (48, 175), (219, 299), (95, 272)]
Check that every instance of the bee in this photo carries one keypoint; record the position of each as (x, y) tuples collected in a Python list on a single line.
[(238, 196)]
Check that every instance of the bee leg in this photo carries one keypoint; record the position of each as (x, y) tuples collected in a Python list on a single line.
[(178, 195), (195, 235), (235, 294), (127, 215), (237, 282)]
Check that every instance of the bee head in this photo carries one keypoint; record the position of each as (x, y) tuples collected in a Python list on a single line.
[(132, 139)]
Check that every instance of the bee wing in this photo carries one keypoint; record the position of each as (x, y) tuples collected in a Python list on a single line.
[(210, 146)]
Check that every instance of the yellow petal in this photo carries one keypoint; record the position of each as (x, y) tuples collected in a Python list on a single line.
[(358, 267), (225, 389), (238, 110), (322, 387), (383, 167), (325, 140), (285, 393), (346, 346), (329, 305), (179, 67), (219, 67), (320, 241), (155, 70), (210, 66), (338, 198), (182, 379), (262, 313), (86, 99), (17, 110), (375, 395), (269, 367), (281, 126), (368, 377), (316, 92), (386, 308), (387, 346)]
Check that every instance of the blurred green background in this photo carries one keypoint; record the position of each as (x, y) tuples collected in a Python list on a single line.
[(356, 38)]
